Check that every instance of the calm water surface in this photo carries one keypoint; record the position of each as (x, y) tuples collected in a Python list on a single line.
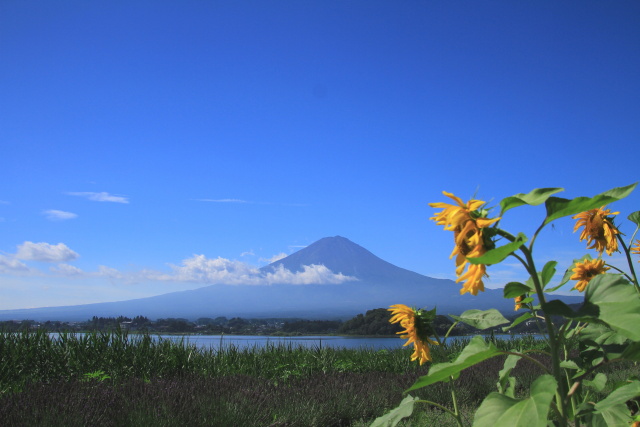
[(251, 341)]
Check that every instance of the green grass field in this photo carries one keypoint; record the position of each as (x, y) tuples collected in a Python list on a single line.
[(120, 379)]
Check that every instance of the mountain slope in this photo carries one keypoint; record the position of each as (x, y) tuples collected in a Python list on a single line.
[(379, 284)]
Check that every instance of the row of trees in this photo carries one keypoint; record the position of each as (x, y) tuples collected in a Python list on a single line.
[(373, 323)]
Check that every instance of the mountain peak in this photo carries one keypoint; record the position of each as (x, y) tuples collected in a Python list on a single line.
[(341, 255)]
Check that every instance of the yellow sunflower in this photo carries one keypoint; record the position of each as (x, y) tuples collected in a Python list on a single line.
[(598, 229), (467, 223), (587, 270), (518, 301), (635, 249), (415, 330)]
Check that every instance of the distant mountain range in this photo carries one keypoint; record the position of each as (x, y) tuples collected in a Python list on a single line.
[(378, 284)]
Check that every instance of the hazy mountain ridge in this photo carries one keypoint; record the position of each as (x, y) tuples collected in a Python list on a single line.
[(379, 284)]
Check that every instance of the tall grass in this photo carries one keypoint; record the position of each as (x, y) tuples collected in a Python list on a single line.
[(144, 378)]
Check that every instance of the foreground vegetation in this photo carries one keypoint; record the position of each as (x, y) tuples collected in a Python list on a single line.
[(118, 378)]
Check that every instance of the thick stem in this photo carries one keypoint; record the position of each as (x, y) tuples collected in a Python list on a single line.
[(630, 262), (553, 340)]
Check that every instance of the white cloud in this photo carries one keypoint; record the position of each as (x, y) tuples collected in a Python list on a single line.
[(45, 252), (56, 215), (311, 275), (9, 264), (100, 197), (274, 258), (201, 269), (248, 253), (67, 270)]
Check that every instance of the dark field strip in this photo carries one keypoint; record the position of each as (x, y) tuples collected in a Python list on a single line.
[(119, 379)]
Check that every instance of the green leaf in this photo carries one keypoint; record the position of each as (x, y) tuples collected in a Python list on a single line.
[(569, 364), (494, 256), (393, 417), (548, 271), (597, 383), (559, 308), (481, 319), (558, 207), (506, 384), (634, 217), (618, 304), (534, 197), (475, 352), (632, 352), (498, 410), (526, 316), (515, 289), (621, 395)]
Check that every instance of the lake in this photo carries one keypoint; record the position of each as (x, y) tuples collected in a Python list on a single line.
[(251, 341)]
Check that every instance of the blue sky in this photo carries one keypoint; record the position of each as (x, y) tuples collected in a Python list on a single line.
[(149, 147)]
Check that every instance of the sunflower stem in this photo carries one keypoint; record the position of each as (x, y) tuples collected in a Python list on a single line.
[(553, 339), (455, 402), (634, 280)]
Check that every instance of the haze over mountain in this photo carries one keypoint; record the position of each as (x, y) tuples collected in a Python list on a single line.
[(370, 282)]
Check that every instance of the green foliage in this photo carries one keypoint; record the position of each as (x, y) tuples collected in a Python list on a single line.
[(534, 197), (499, 410), (393, 417), (476, 351), (481, 319), (497, 255)]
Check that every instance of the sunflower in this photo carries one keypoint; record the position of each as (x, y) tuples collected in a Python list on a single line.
[(518, 301), (587, 270), (635, 249), (467, 223), (598, 229), (417, 326)]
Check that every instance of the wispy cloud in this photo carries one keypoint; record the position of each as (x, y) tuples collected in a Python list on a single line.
[(67, 270), (100, 197), (45, 252), (247, 253), (4, 202), (9, 264), (274, 258), (56, 215)]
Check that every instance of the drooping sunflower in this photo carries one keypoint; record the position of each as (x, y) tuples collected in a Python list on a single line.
[(598, 229), (518, 301), (416, 324), (587, 270), (467, 222)]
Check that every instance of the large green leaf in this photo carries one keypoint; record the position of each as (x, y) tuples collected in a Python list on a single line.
[(516, 289), (620, 395), (548, 271), (498, 410), (534, 197), (634, 217), (526, 316), (494, 256), (481, 319), (618, 304), (506, 383), (558, 207), (393, 417), (475, 352)]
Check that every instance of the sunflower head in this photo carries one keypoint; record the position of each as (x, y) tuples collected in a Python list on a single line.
[(470, 227), (417, 326), (598, 229), (587, 270)]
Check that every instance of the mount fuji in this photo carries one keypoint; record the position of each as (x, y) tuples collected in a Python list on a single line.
[(372, 283)]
